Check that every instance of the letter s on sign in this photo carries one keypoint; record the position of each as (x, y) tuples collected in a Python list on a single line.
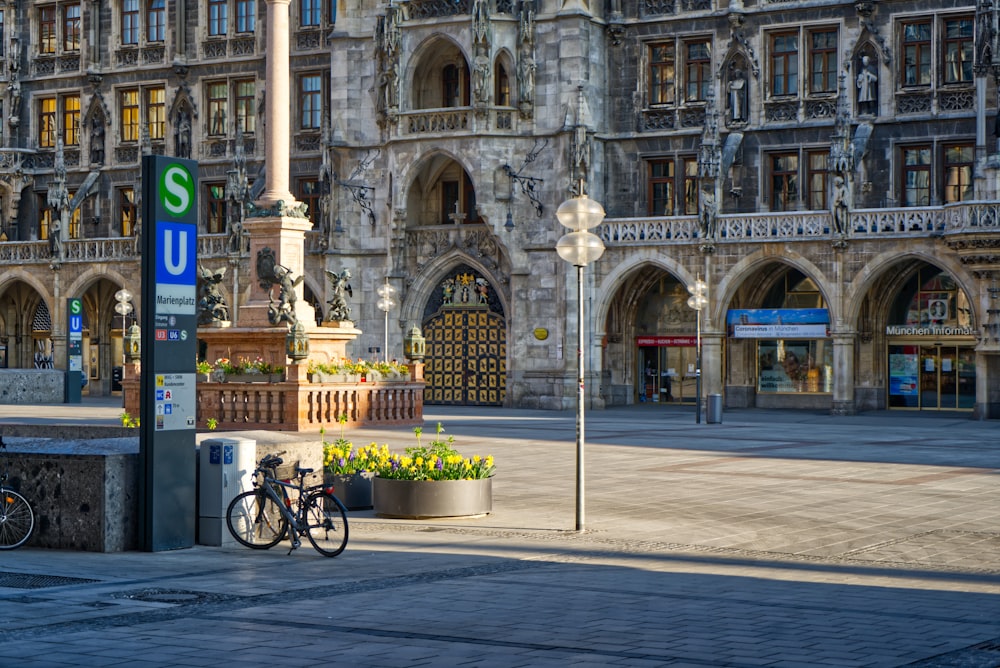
[(176, 190)]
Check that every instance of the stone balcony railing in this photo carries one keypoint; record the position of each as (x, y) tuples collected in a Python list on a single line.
[(98, 249), (911, 222), (433, 121), (907, 222), (452, 120)]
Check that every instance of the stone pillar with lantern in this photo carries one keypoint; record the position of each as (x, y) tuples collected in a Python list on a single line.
[(414, 350)]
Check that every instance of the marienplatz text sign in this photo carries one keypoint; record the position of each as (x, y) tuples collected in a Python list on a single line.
[(169, 345)]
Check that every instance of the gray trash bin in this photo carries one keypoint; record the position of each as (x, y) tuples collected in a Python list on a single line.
[(713, 414), (226, 468)]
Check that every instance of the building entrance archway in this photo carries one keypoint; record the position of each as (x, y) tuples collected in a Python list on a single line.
[(466, 334)]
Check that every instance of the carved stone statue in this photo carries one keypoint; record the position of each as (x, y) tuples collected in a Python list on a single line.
[(840, 205), (97, 140), (284, 309), (340, 290), (526, 80), (481, 79), (867, 83), (738, 96), (707, 215), (182, 135), (212, 306)]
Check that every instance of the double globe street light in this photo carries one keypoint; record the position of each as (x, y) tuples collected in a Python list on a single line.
[(580, 247), (698, 301), (386, 302), (123, 307)]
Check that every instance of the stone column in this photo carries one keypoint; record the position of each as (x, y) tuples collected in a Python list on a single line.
[(843, 373), (277, 122)]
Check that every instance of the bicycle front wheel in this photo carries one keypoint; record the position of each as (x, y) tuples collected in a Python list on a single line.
[(326, 523), (17, 520), (256, 521)]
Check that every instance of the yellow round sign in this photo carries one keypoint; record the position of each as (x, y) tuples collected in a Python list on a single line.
[(541, 333)]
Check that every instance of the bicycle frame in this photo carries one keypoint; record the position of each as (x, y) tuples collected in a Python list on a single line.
[(284, 502)]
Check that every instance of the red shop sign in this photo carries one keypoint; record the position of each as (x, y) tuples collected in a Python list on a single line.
[(663, 341)]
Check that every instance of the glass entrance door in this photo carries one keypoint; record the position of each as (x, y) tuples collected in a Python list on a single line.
[(932, 377), (667, 374)]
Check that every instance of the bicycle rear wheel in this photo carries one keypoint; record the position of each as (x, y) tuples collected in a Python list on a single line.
[(256, 521), (17, 520), (326, 523)]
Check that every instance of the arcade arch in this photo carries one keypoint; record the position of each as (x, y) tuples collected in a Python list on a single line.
[(781, 340)]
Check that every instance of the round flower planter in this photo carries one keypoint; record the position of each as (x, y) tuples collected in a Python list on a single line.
[(354, 489), (416, 499)]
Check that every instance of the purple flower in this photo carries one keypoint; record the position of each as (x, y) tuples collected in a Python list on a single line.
[(342, 462), (439, 465)]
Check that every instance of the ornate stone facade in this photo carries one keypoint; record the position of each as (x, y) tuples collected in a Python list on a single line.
[(713, 135)]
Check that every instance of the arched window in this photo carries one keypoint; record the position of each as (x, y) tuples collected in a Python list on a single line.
[(455, 86), (502, 93)]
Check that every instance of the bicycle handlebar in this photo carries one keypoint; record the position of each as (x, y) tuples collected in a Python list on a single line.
[(271, 461)]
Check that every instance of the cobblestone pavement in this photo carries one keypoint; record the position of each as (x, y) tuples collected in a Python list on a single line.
[(773, 539)]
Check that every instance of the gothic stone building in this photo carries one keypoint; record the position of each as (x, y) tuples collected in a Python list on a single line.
[(828, 169)]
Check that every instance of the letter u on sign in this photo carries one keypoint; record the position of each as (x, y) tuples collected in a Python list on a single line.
[(176, 250)]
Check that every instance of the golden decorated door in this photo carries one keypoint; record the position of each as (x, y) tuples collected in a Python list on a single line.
[(466, 362)]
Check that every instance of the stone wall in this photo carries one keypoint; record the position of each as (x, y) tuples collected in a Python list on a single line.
[(31, 386), (82, 501), (85, 491)]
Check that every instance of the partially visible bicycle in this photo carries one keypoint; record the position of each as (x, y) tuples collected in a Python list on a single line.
[(17, 520), (264, 516)]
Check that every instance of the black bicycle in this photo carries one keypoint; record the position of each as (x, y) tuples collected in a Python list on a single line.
[(264, 516), (17, 520)]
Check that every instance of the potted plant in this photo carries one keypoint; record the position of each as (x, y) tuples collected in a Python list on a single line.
[(245, 370), (204, 370), (389, 370), (350, 471), (357, 371), (432, 481)]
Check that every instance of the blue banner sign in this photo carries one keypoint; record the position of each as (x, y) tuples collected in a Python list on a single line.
[(778, 323)]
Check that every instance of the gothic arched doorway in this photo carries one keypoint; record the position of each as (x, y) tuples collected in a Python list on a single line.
[(466, 332)]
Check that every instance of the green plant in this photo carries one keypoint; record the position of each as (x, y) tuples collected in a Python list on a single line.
[(203, 366), (330, 368), (128, 421), (437, 461), (246, 365), (359, 366), (384, 368), (211, 423)]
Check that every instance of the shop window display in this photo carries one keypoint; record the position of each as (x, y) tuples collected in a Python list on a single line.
[(794, 365)]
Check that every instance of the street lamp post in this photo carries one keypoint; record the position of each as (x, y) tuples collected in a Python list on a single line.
[(698, 300), (386, 302), (580, 247), (123, 308)]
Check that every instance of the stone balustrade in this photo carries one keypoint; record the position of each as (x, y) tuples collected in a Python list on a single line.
[(309, 406), (297, 406), (914, 222), (902, 222)]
